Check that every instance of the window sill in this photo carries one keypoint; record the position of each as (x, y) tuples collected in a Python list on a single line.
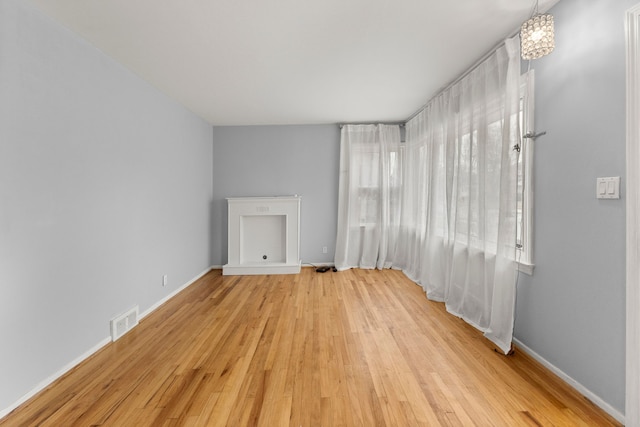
[(526, 268)]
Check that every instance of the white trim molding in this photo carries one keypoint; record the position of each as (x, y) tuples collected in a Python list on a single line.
[(573, 383), (632, 29), (527, 93)]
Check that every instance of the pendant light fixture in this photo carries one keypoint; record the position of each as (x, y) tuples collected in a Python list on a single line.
[(536, 35)]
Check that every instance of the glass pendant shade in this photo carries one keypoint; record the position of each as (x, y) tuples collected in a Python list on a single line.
[(536, 36)]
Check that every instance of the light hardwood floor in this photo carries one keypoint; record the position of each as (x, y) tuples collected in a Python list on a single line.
[(359, 347)]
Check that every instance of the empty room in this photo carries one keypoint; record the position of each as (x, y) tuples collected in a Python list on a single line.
[(296, 213)]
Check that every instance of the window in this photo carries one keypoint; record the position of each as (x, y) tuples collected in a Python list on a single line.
[(524, 231), (472, 231), (370, 190)]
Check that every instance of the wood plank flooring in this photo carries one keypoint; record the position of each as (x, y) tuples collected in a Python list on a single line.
[(353, 348)]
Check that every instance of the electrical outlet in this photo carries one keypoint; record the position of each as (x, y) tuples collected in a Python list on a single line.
[(165, 279), (324, 249)]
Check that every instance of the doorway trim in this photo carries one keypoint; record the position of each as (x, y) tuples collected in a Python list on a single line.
[(632, 30)]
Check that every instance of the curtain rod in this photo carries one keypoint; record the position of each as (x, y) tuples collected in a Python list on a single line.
[(401, 124), (465, 73)]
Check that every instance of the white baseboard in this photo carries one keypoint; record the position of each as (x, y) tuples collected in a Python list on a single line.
[(42, 385), (45, 383), (173, 294), (573, 383)]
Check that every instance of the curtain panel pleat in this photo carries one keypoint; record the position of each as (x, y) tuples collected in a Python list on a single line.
[(442, 205)]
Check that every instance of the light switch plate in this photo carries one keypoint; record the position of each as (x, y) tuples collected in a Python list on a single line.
[(608, 188)]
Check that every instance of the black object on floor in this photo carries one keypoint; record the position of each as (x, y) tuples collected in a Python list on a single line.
[(323, 269)]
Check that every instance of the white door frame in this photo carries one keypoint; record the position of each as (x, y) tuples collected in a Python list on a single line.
[(632, 29)]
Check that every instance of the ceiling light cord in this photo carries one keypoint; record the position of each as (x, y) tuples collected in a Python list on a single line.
[(534, 10)]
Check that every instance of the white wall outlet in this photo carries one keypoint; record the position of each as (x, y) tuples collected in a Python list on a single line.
[(165, 280), (324, 249)]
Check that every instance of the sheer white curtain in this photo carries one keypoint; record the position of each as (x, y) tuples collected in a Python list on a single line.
[(442, 207), (457, 233), (369, 192)]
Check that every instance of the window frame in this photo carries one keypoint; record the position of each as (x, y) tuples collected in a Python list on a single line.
[(524, 250)]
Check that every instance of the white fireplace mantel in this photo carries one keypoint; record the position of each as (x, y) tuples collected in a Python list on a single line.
[(263, 235)]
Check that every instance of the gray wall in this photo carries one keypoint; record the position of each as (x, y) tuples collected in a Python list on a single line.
[(277, 161), (105, 185), (572, 311)]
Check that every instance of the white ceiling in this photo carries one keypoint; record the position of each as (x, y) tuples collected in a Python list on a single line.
[(249, 62)]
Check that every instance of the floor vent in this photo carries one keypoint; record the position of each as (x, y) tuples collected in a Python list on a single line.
[(123, 323)]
